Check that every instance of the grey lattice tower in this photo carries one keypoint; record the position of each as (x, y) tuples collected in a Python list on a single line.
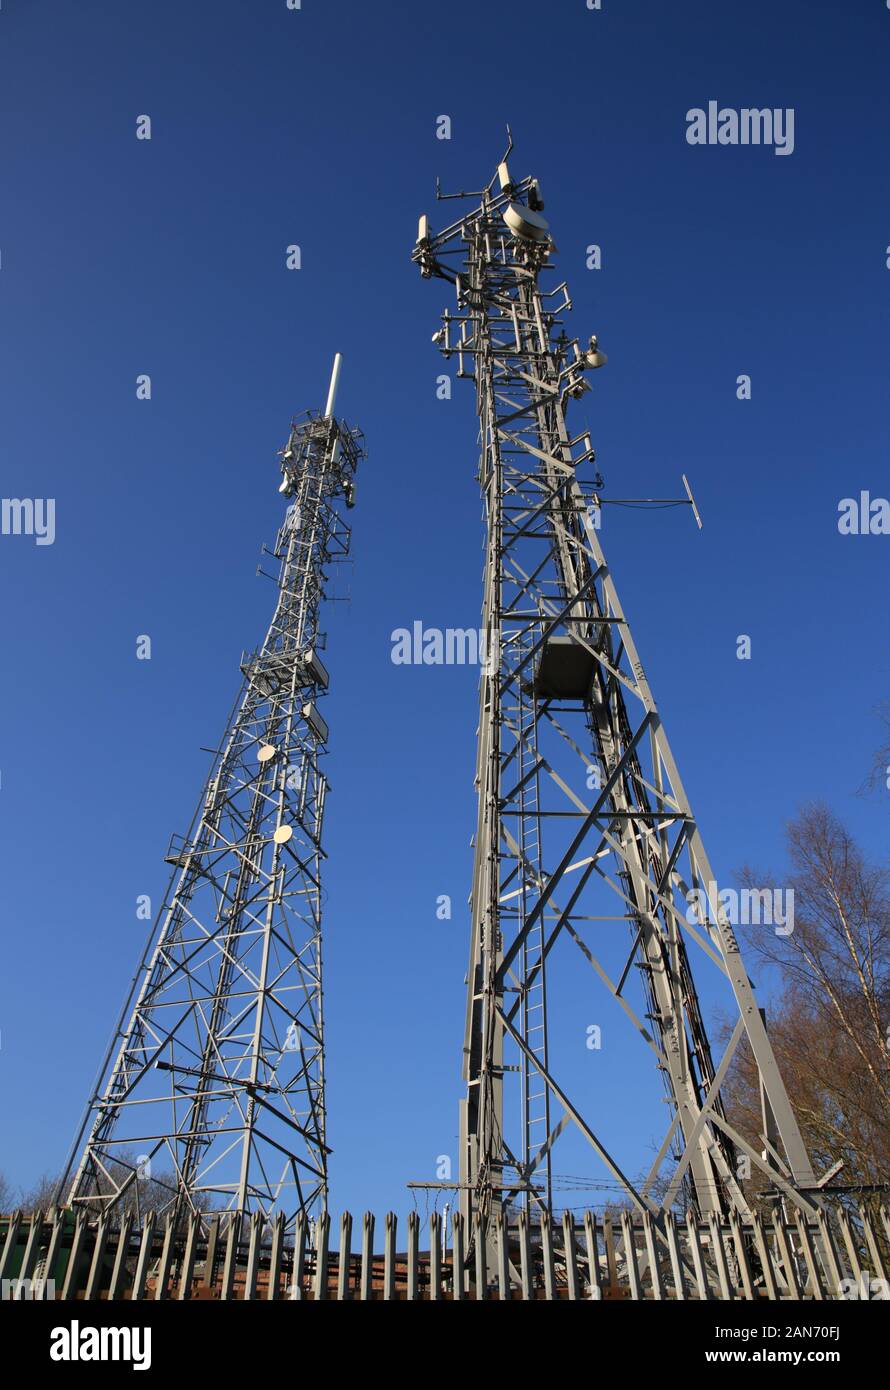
[(587, 853), (213, 1087)]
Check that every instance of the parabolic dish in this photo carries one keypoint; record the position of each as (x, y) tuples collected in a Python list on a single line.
[(523, 222)]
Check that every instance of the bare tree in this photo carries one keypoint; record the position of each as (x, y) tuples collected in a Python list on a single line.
[(6, 1194), (40, 1195), (830, 1022), (879, 776), (151, 1191)]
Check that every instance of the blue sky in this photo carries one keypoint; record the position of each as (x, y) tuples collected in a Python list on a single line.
[(318, 127)]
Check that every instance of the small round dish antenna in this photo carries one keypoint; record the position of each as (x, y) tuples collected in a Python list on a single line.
[(522, 221)]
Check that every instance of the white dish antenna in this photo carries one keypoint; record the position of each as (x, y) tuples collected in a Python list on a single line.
[(526, 223)]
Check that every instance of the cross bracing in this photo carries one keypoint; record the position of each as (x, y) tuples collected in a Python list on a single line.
[(213, 1090), (587, 853)]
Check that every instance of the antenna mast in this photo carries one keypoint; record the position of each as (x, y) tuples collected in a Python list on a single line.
[(213, 1088), (588, 857)]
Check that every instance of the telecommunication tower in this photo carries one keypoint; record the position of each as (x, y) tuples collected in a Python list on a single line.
[(213, 1087), (588, 857)]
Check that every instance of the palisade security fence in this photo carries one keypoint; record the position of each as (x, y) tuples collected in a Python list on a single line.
[(586, 853), (67, 1255)]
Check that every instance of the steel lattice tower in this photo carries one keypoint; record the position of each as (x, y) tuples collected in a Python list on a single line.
[(585, 840), (213, 1084)]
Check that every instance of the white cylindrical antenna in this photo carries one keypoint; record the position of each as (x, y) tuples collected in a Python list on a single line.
[(332, 390)]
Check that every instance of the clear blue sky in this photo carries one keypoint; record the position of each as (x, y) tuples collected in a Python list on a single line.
[(120, 257)]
